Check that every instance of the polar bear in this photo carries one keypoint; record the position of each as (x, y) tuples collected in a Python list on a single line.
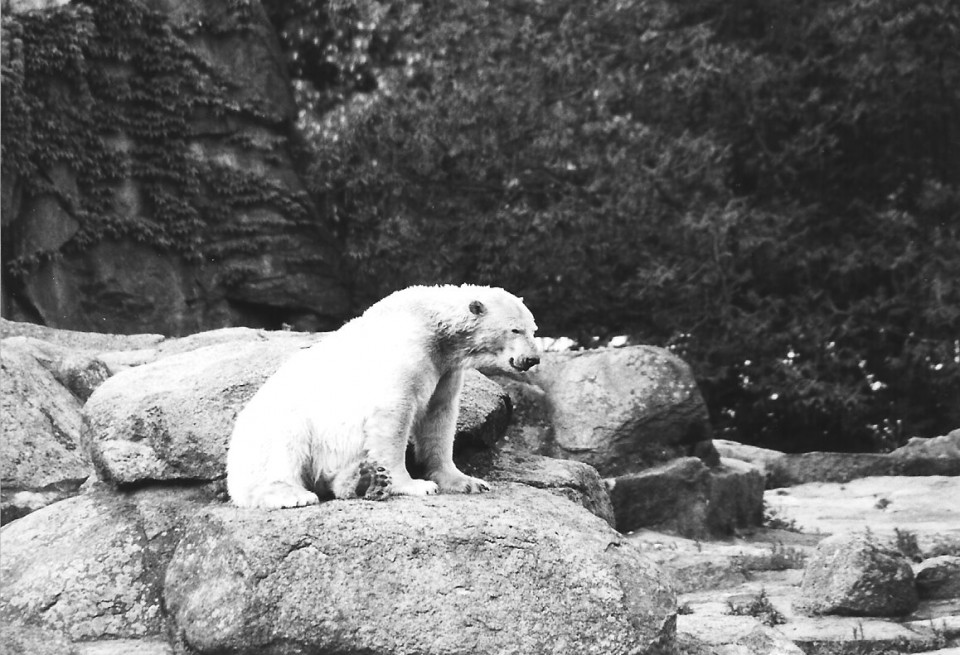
[(336, 418)]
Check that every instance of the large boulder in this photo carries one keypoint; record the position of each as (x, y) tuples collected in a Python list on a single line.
[(933, 456), (687, 497), (938, 577), (621, 410), (854, 575), (41, 455), (515, 570), (92, 566), (48, 374)]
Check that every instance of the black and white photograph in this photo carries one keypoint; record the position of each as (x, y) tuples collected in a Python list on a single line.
[(480, 327)]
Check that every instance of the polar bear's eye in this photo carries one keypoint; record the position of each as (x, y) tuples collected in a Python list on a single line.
[(516, 331)]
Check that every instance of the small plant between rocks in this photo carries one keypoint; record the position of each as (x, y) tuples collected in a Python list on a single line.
[(773, 520), (759, 608), (906, 542)]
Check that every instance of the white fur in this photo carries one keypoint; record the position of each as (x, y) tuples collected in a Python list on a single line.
[(388, 377)]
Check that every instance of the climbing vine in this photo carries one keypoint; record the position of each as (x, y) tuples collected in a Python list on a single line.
[(113, 94)]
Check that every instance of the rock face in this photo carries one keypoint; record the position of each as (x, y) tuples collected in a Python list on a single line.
[(939, 577), (621, 410), (47, 375), (211, 228), (920, 457), (941, 449), (511, 571), (852, 575), (92, 566), (41, 456), (687, 497)]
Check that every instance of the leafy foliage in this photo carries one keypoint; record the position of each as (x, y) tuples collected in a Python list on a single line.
[(112, 94), (768, 188), (760, 608)]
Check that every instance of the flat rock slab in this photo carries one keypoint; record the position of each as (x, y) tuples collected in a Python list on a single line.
[(709, 620), (927, 506), (513, 571)]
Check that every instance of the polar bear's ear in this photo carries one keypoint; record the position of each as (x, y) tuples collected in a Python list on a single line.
[(477, 308)]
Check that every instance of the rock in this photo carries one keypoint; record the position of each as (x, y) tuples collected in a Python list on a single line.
[(919, 457), (761, 641), (485, 412), (764, 458), (41, 452), (945, 446), (81, 372), (620, 410), (71, 340), (687, 497), (147, 646), (852, 575), (795, 469), (515, 570), (16, 504), (171, 419), (939, 577), (92, 566), (574, 481), (161, 295), (934, 456), (20, 639), (927, 507)]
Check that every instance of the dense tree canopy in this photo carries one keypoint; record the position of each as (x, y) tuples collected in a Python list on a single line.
[(772, 189)]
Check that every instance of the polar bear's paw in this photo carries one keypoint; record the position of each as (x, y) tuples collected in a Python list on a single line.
[(278, 495), (416, 488), (459, 483), (373, 482)]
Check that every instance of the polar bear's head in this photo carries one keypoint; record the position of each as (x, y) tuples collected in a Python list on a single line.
[(501, 337)]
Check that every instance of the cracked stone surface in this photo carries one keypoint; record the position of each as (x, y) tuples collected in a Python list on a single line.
[(92, 566), (513, 570)]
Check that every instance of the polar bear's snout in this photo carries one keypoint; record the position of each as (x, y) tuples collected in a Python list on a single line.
[(523, 363)]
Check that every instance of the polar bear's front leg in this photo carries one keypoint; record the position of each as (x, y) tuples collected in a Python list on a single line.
[(386, 434), (434, 441)]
